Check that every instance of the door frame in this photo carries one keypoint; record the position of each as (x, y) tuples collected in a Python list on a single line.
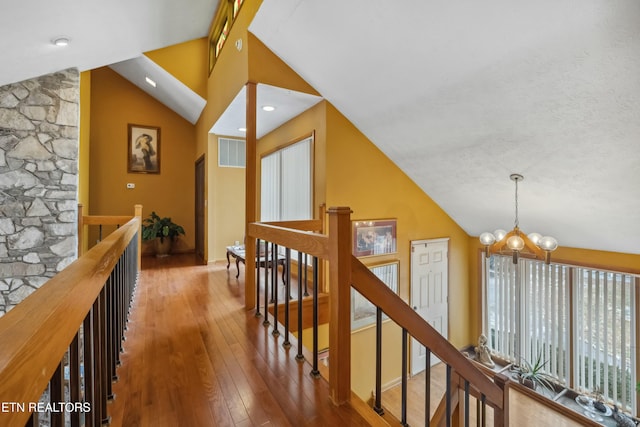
[(446, 240), (200, 209)]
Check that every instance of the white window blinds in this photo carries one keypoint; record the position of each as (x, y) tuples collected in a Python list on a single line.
[(581, 321), (286, 183)]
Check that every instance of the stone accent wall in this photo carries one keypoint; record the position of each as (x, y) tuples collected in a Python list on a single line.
[(38, 182)]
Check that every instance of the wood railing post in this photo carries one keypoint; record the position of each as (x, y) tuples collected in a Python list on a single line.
[(80, 228), (250, 196), (501, 417), (340, 300), (138, 214)]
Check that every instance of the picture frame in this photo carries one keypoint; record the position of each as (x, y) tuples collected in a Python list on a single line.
[(374, 237), (363, 313), (143, 155)]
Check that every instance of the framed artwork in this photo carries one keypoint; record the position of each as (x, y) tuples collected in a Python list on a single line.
[(144, 149), (375, 237), (363, 313)]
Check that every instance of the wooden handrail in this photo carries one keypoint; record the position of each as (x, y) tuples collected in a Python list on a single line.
[(106, 220), (346, 271), (36, 333), (310, 243), (113, 220), (314, 225), (369, 286)]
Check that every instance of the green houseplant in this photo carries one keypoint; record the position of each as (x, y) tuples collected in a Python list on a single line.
[(162, 231), (532, 375)]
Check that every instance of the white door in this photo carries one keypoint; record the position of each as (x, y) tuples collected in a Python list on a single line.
[(429, 292)]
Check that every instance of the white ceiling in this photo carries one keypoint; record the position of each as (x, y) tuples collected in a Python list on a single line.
[(168, 90), (287, 103), (462, 94), (458, 94), (101, 32)]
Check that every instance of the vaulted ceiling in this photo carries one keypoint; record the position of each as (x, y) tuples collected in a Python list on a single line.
[(462, 94), (458, 94)]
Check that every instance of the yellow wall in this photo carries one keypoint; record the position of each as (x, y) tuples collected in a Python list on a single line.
[(187, 62), (360, 176), (227, 201), (115, 103), (228, 77), (349, 171), (84, 146)]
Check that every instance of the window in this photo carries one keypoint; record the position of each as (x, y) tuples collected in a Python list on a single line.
[(582, 321), (224, 19), (286, 191), (231, 153)]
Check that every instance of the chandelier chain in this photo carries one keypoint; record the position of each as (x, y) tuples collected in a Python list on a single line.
[(517, 223)]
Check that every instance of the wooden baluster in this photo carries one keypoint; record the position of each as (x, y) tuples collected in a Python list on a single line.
[(274, 287), (287, 296), (448, 397), (314, 371), (56, 395), (306, 278), (405, 347), (300, 356), (96, 407), (89, 395), (265, 322), (427, 387), (466, 403), (378, 401), (74, 379), (257, 286), (111, 333)]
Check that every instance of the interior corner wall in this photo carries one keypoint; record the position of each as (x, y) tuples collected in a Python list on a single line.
[(84, 148), (360, 176), (38, 182), (186, 62), (227, 202), (115, 103)]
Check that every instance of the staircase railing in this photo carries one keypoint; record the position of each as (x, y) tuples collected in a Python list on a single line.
[(64, 340), (102, 221), (463, 378)]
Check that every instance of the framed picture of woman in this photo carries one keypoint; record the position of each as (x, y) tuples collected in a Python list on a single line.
[(144, 149)]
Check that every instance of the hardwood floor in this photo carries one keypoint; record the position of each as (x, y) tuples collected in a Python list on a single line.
[(194, 357)]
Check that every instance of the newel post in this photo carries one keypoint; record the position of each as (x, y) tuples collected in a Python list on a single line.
[(501, 417), (138, 214), (80, 229), (340, 300)]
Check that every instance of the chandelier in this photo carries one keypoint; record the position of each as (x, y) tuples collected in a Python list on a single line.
[(515, 241)]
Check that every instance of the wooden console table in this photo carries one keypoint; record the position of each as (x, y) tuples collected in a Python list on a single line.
[(238, 253)]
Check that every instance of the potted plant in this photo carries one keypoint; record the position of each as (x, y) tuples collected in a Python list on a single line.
[(162, 230), (532, 375)]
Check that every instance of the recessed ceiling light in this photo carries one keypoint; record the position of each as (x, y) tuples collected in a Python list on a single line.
[(61, 41), (151, 82), (242, 129), (268, 108)]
